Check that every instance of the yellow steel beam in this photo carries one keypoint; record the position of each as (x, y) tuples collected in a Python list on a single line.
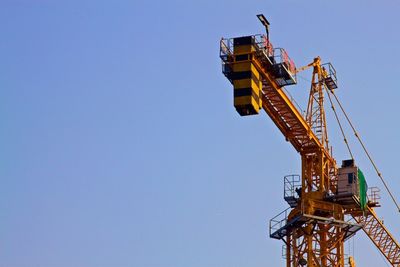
[(379, 235)]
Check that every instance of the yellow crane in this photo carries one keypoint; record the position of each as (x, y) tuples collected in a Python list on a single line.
[(328, 203)]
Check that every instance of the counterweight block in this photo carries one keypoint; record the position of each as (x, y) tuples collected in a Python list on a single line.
[(246, 78)]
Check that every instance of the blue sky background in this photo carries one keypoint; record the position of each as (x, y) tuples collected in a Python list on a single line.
[(120, 144)]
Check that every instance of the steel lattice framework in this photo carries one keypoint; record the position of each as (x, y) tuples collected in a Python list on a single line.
[(315, 228)]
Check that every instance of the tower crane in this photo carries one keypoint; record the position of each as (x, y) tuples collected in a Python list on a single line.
[(328, 204)]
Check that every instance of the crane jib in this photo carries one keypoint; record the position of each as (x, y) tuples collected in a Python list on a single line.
[(314, 227)]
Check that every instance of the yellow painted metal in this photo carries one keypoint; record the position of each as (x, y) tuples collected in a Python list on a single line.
[(247, 83), (352, 263), (245, 100), (379, 235), (315, 242), (243, 49), (319, 167), (246, 66)]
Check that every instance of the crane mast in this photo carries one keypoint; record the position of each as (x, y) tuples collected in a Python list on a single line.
[(314, 227)]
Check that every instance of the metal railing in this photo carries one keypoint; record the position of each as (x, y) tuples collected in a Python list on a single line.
[(278, 221), (259, 41), (330, 71), (225, 49), (374, 195), (281, 56), (264, 45), (284, 251), (281, 66), (291, 184), (302, 111)]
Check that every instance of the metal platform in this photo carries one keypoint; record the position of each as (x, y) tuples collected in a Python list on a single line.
[(283, 69), (330, 79), (275, 61), (280, 226), (292, 189), (351, 230)]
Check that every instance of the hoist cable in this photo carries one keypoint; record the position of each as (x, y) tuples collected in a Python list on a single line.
[(365, 149), (340, 125)]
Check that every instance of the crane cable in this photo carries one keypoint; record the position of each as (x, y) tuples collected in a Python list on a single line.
[(365, 149), (337, 119), (340, 125)]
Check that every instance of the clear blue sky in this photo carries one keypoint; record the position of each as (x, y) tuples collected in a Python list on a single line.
[(120, 145)]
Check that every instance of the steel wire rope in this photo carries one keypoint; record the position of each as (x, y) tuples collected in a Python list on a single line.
[(337, 119), (340, 125), (365, 149)]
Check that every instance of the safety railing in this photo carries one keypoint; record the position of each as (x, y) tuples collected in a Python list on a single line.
[(374, 195), (284, 68), (293, 100), (259, 41), (330, 75), (225, 49), (284, 251), (264, 45), (276, 60), (226, 55), (331, 71), (292, 186), (278, 221), (281, 56)]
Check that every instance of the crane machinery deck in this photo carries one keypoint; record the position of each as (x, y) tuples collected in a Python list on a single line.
[(327, 204)]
